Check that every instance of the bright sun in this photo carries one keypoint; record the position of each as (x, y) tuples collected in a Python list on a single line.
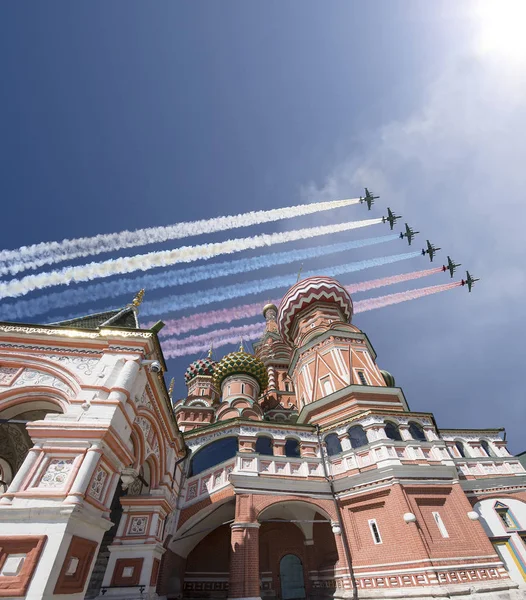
[(503, 28)]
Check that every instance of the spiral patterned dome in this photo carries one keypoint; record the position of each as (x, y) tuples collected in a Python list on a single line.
[(203, 366), (241, 363)]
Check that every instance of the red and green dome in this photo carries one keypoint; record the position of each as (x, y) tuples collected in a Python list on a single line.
[(203, 366), (241, 363)]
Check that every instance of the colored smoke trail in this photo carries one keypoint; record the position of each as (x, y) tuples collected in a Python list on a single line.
[(364, 286), (175, 303), (165, 258), (382, 301), (180, 346), (201, 343), (99, 291), (48, 253)]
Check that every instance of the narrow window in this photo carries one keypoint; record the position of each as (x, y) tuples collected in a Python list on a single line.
[(242, 388), (392, 432), (506, 516), (327, 385), (228, 389), (361, 377), (264, 445), (487, 448), (440, 525), (374, 531), (333, 445), (202, 391), (287, 387), (292, 448), (461, 449)]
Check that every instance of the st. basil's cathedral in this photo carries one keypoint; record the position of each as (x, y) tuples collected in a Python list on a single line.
[(298, 471)]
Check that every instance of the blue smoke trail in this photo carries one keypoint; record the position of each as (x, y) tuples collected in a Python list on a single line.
[(117, 287), (175, 303)]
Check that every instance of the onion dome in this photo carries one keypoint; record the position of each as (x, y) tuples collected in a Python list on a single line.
[(241, 363), (388, 378), (203, 366), (306, 292)]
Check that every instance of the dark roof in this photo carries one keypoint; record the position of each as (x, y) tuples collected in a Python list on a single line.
[(123, 317)]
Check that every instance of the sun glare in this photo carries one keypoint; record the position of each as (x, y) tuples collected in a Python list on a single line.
[(502, 28)]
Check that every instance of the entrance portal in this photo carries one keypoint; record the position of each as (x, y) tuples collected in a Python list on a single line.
[(291, 576)]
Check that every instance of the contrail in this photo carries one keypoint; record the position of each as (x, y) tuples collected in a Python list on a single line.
[(201, 343), (219, 294), (382, 301), (245, 311), (110, 289), (48, 253), (165, 258)]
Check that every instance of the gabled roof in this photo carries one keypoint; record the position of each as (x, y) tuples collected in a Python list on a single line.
[(124, 317)]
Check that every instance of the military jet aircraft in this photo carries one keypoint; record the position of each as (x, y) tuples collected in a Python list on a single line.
[(391, 218), (431, 250), (451, 266), (369, 198), (469, 281), (409, 234)]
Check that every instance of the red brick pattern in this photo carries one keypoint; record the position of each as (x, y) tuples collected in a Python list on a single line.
[(83, 550)]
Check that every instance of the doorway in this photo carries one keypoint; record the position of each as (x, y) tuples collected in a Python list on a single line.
[(291, 577)]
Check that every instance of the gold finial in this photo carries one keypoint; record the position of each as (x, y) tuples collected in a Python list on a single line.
[(138, 298), (210, 351), (241, 347), (299, 273), (171, 388)]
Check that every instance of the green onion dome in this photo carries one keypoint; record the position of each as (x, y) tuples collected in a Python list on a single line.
[(241, 363), (388, 378), (203, 366)]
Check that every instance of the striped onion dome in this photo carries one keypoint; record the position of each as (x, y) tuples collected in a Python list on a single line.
[(203, 366), (306, 292), (241, 363)]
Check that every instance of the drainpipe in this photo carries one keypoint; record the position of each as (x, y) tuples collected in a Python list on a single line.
[(345, 541)]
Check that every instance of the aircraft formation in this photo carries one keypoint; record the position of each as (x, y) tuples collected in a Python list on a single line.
[(409, 235)]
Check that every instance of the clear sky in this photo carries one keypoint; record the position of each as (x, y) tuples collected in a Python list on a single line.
[(122, 115)]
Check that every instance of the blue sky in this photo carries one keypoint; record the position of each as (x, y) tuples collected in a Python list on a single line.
[(120, 115)]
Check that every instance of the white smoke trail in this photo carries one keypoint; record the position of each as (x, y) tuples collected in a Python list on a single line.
[(151, 260), (48, 253)]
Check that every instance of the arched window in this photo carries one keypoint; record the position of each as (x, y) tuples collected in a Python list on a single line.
[(333, 445), (461, 449), (417, 432), (264, 445), (392, 432), (213, 454), (292, 448), (487, 448), (357, 436)]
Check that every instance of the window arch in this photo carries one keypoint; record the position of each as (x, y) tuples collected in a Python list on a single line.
[(357, 436), (417, 431), (487, 448), (461, 448), (264, 445), (213, 454), (292, 448), (392, 432), (333, 444)]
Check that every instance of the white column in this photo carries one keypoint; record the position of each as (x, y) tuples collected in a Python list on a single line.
[(22, 473), (84, 474)]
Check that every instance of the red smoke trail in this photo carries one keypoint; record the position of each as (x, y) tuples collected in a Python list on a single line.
[(376, 283), (382, 301)]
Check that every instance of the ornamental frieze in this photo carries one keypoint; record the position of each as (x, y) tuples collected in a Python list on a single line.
[(32, 377)]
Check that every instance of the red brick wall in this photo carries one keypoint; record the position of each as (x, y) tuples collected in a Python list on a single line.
[(212, 553)]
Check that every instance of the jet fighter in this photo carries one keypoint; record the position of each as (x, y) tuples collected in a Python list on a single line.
[(369, 198), (451, 266), (431, 250), (469, 281), (391, 218), (409, 234)]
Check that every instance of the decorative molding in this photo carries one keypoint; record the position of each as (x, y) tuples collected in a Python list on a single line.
[(98, 483), (138, 525), (57, 473), (33, 377)]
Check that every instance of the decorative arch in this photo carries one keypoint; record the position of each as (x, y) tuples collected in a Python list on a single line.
[(417, 431), (392, 431), (152, 439), (324, 507), (225, 448)]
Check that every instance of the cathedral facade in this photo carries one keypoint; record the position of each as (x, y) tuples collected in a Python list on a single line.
[(296, 471)]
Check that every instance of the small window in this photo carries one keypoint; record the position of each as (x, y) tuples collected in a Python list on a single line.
[(327, 385), (440, 525), (417, 432), (228, 390), (242, 388), (506, 516), (357, 436), (264, 445), (287, 386), (202, 391), (461, 449), (487, 448), (333, 444), (292, 448), (312, 325), (392, 432), (373, 526), (361, 377)]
